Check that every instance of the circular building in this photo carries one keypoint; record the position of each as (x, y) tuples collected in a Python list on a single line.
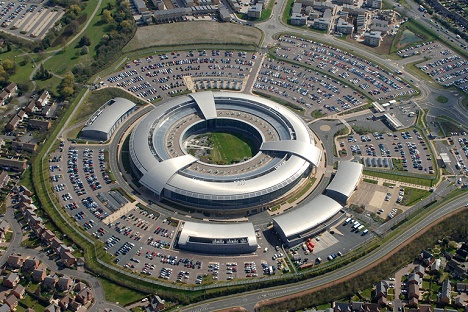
[(165, 147)]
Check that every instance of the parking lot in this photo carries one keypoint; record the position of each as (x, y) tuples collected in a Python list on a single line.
[(405, 150), (164, 75), (365, 75), (305, 87), (447, 68), (342, 238), (31, 19)]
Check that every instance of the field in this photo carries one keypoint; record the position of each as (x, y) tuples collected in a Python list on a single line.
[(202, 33), (120, 294), (412, 196), (229, 147)]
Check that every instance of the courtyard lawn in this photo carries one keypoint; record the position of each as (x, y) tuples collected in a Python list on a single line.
[(230, 147)]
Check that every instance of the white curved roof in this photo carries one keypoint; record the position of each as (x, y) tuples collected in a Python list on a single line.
[(160, 174), (242, 188), (307, 216), (346, 178), (205, 102), (218, 231), (107, 115), (305, 150), (156, 177)]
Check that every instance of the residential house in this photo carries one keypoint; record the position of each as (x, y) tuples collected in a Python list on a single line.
[(55, 244), (68, 259), (420, 270), (459, 302), (13, 123), (25, 199), (30, 265), (371, 307), (65, 302), (49, 282), (4, 179), (14, 261), (79, 287), (459, 270), (414, 278), (11, 88), (39, 124), (4, 96), (435, 267), (413, 302), (4, 308), (11, 280), (13, 164), (19, 291), (445, 295), (52, 308), (38, 229), (31, 107), (413, 291), (425, 308), (23, 189), (426, 258), (64, 284), (38, 275), (381, 290), (462, 287), (337, 306), (12, 302), (75, 306), (84, 296), (43, 99), (23, 146), (47, 236), (155, 304)]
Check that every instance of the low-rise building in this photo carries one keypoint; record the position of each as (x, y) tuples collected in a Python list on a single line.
[(298, 19), (446, 293), (372, 38), (344, 27), (255, 11), (11, 280), (39, 124), (43, 99)]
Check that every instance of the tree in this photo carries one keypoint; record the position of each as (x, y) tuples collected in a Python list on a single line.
[(107, 17), (84, 50), (84, 41), (9, 66), (66, 91)]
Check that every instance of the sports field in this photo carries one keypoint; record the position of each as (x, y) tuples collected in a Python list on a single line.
[(194, 34), (230, 148)]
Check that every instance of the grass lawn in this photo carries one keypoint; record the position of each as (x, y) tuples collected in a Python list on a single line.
[(370, 181), (200, 34), (317, 113), (31, 242), (303, 191), (117, 293), (412, 196), (442, 99), (64, 61), (230, 147), (49, 84), (96, 99), (413, 179)]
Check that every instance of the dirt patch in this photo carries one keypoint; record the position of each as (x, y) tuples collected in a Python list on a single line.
[(198, 33), (325, 128)]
